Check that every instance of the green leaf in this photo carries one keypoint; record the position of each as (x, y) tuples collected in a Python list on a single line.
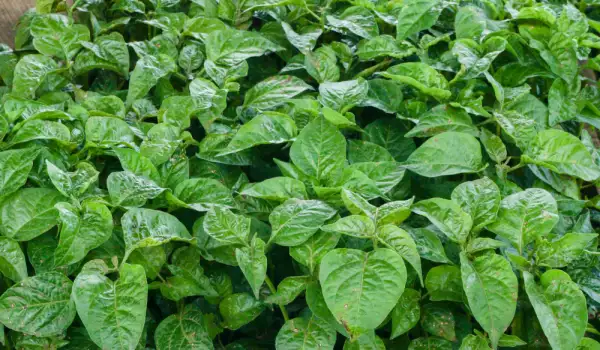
[(72, 184), (203, 194), (147, 72), (429, 245), (525, 216), (443, 118), (39, 305), (438, 321), (304, 41), (41, 130), (227, 227), (383, 46), (108, 52), (343, 95), (288, 290), (387, 96), (560, 308), (366, 341), (147, 228), (15, 165), (264, 129), (253, 263), (399, 240), (239, 309), (480, 199), (356, 20), (306, 333), (493, 145), (106, 132), (491, 288), (30, 72), (429, 343), (29, 212), (474, 342), (113, 312), (314, 249), (447, 216), (562, 153), (561, 103), (445, 154), (230, 47), (565, 250), (188, 276), (420, 76), (12, 260), (274, 91), (444, 282), (353, 225), (416, 16), (183, 330), (81, 231), (321, 64), (277, 189), (407, 312), (295, 221), (129, 190), (55, 35), (380, 276)]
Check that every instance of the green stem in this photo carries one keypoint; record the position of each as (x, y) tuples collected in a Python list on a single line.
[(518, 166), (310, 12), (367, 72), (72, 8), (273, 290)]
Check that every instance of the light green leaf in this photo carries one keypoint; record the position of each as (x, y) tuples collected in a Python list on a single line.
[(203, 194), (443, 282), (147, 228), (343, 95), (253, 263), (525, 216), (353, 225), (147, 72), (321, 64), (314, 249), (227, 227), (129, 190), (563, 153), (438, 321), (447, 216), (266, 128), (12, 260), (560, 308), (230, 47), (492, 291), (16, 165), (239, 309), (29, 212), (306, 333), (420, 76), (184, 330), (30, 72), (355, 19), (380, 277), (304, 41), (288, 290), (565, 250), (445, 154), (81, 231), (113, 312), (383, 46), (274, 91), (320, 150), (443, 118), (39, 305), (277, 189), (72, 184), (295, 221), (399, 240), (480, 199), (416, 16), (407, 312)]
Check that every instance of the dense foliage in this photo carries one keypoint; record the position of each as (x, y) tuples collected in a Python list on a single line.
[(300, 174)]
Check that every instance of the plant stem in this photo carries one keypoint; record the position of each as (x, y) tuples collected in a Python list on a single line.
[(518, 166), (367, 72), (273, 290)]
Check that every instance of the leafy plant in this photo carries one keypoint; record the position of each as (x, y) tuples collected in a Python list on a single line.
[(300, 174)]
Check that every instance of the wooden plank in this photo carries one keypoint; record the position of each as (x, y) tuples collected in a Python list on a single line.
[(10, 11)]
